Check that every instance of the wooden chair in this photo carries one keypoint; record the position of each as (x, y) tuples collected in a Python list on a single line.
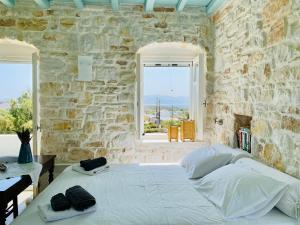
[(188, 130), (173, 133)]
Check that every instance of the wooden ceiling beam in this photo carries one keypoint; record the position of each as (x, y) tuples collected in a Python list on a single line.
[(79, 4), (180, 5), (115, 4), (8, 3), (214, 5), (149, 5), (45, 4)]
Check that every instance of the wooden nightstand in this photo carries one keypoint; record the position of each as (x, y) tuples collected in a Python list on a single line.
[(12, 187)]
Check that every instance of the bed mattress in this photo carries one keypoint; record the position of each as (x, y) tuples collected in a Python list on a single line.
[(141, 195)]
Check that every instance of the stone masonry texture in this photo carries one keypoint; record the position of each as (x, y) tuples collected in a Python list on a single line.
[(257, 73), (79, 119)]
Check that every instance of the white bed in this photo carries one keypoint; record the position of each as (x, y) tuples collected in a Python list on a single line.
[(141, 195)]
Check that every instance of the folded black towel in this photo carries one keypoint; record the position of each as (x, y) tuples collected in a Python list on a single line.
[(79, 198), (59, 202), (91, 164)]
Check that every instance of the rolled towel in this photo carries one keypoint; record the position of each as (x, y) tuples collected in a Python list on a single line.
[(79, 169), (59, 202), (91, 164), (79, 198), (48, 214)]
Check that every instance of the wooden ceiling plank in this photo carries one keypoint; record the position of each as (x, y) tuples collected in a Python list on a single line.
[(180, 5), (149, 5), (8, 3), (45, 4), (115, 4), (214, 5), (79, 4)]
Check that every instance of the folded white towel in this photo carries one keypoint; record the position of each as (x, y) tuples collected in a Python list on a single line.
[(79, 169), (48, 214)]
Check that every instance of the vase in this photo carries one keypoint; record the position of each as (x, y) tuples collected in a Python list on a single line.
[(25, 155)]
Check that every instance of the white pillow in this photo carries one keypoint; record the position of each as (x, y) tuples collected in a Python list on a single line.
[(236, 152), (240, 192), (202, 161), (287, 203)]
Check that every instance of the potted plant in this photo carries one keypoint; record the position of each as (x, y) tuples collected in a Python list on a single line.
[(21, 111), (25, 155)]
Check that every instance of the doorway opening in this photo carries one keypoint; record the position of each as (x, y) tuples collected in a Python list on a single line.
[(18, 95), (19, 102), (170, 89)]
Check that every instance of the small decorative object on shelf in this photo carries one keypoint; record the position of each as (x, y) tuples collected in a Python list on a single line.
[(244, 139), (25, 155)]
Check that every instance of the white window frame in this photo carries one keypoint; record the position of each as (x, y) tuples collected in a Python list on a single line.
[(197, 91)]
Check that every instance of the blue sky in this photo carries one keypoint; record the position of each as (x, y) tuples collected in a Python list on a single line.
[(15, 80), (162, 80)]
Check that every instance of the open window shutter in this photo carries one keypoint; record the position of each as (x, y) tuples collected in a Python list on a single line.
[(140, 98), (36, 104), (198, 94)]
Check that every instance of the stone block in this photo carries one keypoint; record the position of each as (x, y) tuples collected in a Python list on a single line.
[(97, 144), (127, 118), (38, 13), (7, 22), (89, 127), (71, 113), (32, 24), (291, 124), (67, 22), (260, 128), (62, 125), (277, 32), (77, 154), (101, 153)]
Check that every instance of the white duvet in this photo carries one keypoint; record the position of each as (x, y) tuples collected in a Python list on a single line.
[(140, 195)]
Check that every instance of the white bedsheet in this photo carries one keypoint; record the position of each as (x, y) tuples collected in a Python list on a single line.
[(141, 195)]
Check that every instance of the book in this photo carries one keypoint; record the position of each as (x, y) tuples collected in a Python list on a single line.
[(244, 139)]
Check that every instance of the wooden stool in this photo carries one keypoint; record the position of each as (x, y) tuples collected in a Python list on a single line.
[(188, 130), (173, 133)]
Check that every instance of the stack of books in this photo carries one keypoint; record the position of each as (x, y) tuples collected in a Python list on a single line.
[(244, 139)]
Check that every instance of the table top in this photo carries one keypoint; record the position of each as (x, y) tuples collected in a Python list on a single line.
[(7, 183), (37, 158)]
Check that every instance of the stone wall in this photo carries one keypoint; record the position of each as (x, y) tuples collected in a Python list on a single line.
[(257, 73), (88, 119)]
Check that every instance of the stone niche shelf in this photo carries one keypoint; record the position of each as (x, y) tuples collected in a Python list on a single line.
[(241, 121)]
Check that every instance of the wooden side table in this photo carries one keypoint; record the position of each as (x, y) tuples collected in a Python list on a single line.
[(9, 191), (12, 187)]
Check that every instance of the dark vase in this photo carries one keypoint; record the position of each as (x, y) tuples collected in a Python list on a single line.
[(25, 155)]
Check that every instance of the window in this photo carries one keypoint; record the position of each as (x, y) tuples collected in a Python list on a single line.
[(166, 98), (155, 64)]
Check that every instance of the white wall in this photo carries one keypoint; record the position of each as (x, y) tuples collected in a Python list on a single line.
[(9, 145)]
